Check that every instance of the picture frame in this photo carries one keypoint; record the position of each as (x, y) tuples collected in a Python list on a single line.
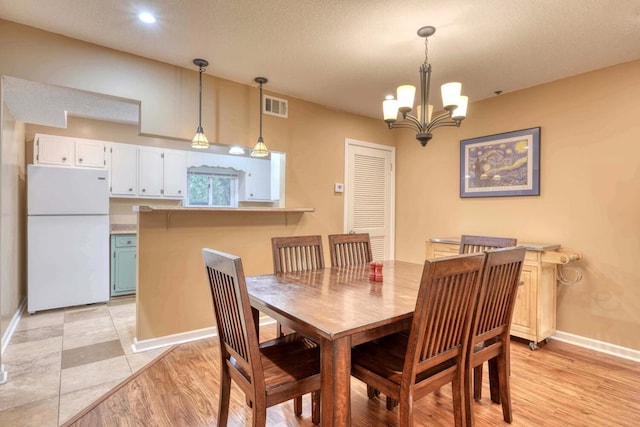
[(504, 164)]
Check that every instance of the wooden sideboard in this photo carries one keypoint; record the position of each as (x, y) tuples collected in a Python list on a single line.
[(534, 317)]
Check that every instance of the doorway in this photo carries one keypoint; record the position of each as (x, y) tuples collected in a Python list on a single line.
[(370, 194)]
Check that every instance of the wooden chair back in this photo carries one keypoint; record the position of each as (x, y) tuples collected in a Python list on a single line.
[(472, 244), (236, 328), (350, 249), (297, 253), (490, 329), (442, 320)]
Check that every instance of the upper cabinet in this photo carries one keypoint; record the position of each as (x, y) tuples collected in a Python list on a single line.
[(257, 180), (69, 152), (147, 172), (124, 170), (175, 173)]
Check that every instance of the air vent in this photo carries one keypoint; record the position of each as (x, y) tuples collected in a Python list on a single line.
[(276, 106)]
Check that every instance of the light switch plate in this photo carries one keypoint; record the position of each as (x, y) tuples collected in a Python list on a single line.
[(338, 187)]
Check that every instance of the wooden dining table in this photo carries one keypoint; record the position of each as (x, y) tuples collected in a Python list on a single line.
[(338, 307)]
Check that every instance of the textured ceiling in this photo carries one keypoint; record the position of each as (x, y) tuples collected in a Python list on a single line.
[(349, 54)]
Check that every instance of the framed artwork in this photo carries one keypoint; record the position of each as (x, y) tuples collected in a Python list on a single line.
[(505, 164)]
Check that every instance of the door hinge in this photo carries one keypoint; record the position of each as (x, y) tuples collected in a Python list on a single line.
[(162, 156)]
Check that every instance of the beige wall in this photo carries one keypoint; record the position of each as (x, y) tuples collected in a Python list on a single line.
[(12, 218), (589, 192), (590, 175)]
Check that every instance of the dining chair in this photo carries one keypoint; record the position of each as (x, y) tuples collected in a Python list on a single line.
[(407, 367), (471, 244), (350, 249), (296, 253), (268, 373), (490, 330)]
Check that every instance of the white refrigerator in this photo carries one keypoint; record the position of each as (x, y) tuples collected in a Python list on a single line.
[(67, 237)]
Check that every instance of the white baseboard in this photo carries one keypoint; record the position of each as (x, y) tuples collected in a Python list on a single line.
[(11, 328), (168, 340), (599, 346)]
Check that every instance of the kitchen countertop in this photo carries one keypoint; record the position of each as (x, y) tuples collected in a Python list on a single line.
[(148, 208), (540, 247), (123, 229)]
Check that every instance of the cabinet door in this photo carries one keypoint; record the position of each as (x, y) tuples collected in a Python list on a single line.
[(90, 154), (175, 173), (124, 170), (54, 150), (258, 179), (523, 323), (123, 273), (150, 172)]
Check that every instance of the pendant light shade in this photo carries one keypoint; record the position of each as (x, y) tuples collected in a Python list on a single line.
[(200, 139), (260, 149)]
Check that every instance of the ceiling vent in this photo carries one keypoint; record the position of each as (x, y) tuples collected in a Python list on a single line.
[(275, 106)]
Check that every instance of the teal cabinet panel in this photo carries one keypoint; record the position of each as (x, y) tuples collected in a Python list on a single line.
[(123, 264)]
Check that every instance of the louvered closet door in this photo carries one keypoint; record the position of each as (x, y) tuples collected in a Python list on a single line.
[(369, 194)]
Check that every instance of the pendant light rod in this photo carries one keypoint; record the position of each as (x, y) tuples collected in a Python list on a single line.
[(260, 150), (200, 140)]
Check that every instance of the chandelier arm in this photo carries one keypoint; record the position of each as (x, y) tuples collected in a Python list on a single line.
[(439, 119), (439, 125), (403, 125)]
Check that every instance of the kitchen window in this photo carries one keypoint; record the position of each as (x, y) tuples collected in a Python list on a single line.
[(212, 187)]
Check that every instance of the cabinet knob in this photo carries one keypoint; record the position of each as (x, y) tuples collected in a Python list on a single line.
[(80, 160), (64, 159), (128, 242), (179, 191), (143, 190), (131, 189)]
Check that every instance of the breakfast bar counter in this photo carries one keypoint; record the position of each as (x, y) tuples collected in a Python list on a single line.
[(173, 299)]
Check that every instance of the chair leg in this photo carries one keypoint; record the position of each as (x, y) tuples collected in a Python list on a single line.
[(391, 403), (406, 411), (505, 388), (315, 407), (469, 394), (372, 392), (461, 398), (297, 406), (259, 412), (494, 381), (223, 402), (477, 382)]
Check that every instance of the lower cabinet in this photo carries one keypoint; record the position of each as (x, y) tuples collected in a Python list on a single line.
[(123, 264)]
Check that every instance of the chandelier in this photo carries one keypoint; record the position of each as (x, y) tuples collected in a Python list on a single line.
[(454, 104)]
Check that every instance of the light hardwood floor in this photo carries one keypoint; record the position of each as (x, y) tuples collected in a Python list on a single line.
[(556, 385)]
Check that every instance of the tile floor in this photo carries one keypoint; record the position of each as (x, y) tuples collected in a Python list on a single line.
[(59, 361)]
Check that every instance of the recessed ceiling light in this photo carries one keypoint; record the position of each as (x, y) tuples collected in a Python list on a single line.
[(236, 150), (147, 17)]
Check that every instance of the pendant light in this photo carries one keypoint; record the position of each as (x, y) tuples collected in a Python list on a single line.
[(260, 150), (200, 140)]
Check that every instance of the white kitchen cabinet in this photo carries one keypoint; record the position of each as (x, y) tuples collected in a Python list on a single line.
[(257, 185), (70, 152), (149, 172), (124, 170), (175, 173), (90, 154)]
